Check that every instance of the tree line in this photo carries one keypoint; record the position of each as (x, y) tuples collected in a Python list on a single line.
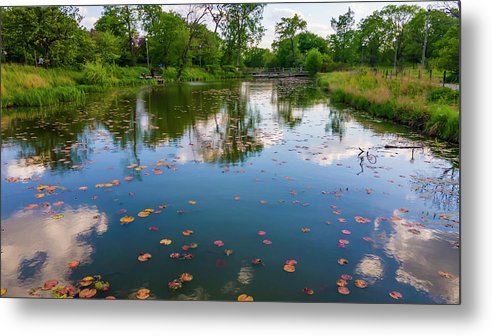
[(146, 34)]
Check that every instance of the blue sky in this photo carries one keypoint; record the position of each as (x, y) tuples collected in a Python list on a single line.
[(317, 15)]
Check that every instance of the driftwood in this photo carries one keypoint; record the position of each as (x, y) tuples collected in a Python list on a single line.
[(403, 147)]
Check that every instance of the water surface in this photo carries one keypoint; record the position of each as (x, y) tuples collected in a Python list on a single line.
[(227, 160)]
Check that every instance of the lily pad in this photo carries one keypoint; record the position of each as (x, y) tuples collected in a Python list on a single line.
[(166, 242), (142, 294), (87, 293), (245, 298)]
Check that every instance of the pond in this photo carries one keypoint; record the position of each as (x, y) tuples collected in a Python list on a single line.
[(261, 188)]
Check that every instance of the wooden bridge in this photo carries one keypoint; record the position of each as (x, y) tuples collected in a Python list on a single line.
[(277, 73)]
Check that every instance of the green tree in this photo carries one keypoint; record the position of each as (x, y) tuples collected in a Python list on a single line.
[(122, 22), (52, 33), (167, 36), (447, 52), (314, 61), (241, 27), (287, 29), (107, 47), (341, 42), (307, 41), (372, 34), (397, 17)]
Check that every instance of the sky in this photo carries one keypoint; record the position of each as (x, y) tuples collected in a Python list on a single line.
[(317, 15)]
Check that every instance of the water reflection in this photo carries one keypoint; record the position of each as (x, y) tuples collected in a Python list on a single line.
[(422, 253), (36, 248), (281, 128)]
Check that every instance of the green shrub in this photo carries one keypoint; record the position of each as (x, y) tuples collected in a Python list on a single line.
[(444, 95), (96, 73), (314, 61)]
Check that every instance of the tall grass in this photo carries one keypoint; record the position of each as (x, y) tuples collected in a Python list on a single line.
[(31, 86), (34, 86), (421, 104)]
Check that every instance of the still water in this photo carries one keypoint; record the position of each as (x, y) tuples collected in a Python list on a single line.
[(255, 170)]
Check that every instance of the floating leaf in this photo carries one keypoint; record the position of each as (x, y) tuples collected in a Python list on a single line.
[(110, 297), (261, 233), (187, 232), (175, 284), (219, 243), (39, 195), (58, 203), (228, 252), (342, 261), (127, 219), (83, 188), (245, 298), (153, 228), (192, 202), (289, 268), (237, 198), (144, 257), (257, 261), (143, 214), (193, 245), (4, 291), (446, 275), (346, 277), (73, 264), (50, 284), (291, 262), (267, 242), (346, 232), (396, 295), (403, 210), (361, 220), (263, 201), (142, 294), (341, 283), (59, 216), (308, 291), (360, 283), (186, 277), (87, 281), (31, 206), (166, 242), (305, 230), (87, 293), (343, 290), (174, 255)]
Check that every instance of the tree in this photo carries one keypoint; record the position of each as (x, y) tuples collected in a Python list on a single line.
[(396, 18), (371, 35), (107, 46), (447, 53), (194, 19), (307, 41), (287, 28), (122, 22), (167, 37), (241, 27), (49, 32), (341, 42), (314, 61)]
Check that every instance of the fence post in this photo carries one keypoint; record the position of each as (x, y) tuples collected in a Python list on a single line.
[(444, 78)]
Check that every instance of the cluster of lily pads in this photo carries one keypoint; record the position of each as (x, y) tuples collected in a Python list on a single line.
[(87, 287)]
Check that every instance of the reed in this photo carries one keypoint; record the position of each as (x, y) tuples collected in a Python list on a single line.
[(421, 104)]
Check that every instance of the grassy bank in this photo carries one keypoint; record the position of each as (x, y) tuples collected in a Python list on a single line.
[(30, 86), (421, 104), (34, 86)]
